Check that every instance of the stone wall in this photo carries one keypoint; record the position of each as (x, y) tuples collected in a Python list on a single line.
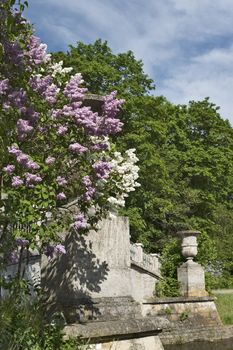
[(189, 319), (99, 265)]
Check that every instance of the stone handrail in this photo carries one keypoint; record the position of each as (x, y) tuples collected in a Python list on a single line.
[(148, 262)]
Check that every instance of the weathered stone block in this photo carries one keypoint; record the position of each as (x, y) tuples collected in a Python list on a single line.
[(192, 279)]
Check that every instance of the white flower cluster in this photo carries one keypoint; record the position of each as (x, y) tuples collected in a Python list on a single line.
[(57, 68), (124, 173), (47, 57)]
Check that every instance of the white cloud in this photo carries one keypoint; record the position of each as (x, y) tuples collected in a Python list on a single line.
[(207, 75), (186, 44)]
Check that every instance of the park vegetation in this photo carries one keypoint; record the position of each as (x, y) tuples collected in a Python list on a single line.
[(54, 149)]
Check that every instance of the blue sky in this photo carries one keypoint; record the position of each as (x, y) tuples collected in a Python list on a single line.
[(186, 45)]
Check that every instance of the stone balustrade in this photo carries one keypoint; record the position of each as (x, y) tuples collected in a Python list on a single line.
[(148, 262)]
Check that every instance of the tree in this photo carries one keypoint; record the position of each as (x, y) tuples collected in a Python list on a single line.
[(104, 72)]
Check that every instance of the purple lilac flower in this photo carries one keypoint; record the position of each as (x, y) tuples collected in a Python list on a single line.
[(72, 90), (61, 196), (86, 180), (93, 123), (4, 86), (110, 126), (61, 181), (60, 249), (51, 93), (13, 257), (67, 111), (49, 160), (23, 128), (23, 159), (102, 169), (112, 105), (32, 165), (9, 169), (84, 117), (32, 114), (45, 87), (56, 114), (23, 110), (101, 146), (39, 83), (62, 130), (77, 148), (14, 52), (80, 222), (14, 151), (70, 110), (16, 181), (32, 179), (88, 195), (37, 50), (21, 242), (87, 119), (17, 99), (50, 250)]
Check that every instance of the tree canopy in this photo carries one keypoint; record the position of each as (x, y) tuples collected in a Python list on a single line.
[(104, 71)]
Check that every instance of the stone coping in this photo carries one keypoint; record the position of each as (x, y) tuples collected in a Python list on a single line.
[(94, 97), (145, 270), (177, 300), (94, 101), (188, 233), (120, 329)]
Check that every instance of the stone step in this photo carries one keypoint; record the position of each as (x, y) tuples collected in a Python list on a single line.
[(121, 329), (105, 309)]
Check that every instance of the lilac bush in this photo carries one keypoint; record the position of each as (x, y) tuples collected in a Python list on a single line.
[(54, 149)]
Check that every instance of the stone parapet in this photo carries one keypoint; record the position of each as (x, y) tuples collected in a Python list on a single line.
[(148, 262)]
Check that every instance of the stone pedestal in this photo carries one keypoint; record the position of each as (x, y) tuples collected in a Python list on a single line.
[(192, 279), (190, 274)]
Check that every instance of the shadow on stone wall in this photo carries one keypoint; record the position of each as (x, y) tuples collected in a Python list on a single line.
[(68, 280)]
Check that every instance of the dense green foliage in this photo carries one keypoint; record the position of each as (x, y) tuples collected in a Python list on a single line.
[(104, 72), (185, 152), (23, 327)]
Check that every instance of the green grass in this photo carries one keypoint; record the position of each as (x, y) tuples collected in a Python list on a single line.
[(224, 304)]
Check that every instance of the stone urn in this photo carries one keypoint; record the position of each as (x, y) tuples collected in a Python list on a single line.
[(191, 276), (189, 243)]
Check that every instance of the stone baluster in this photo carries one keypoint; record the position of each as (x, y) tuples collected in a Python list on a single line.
[(139, 252), (155, 260)]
